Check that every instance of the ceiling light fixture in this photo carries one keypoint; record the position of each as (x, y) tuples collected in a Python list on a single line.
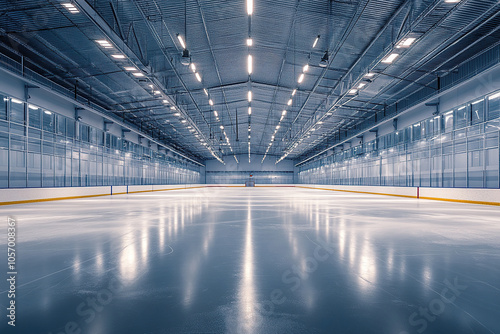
[(249, 42), (249, 96), (250, 7), (193, 67), (306, 68), (138, 74), (389, 59), (71, 8), (289, 102), (198, 76), (216, 113), (250, 64), (104, 43), (316, 41), (406, 42), (301, 78), (294, 92), (205, 91), (249, 110), (118, 56), (211, 102), (181, 40)]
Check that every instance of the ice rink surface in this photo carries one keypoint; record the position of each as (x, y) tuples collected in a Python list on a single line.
[(254, 260)]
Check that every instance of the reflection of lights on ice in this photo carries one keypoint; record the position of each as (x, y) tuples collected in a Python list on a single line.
[(128, 259), (367, 266), (427, 275), (144, 245), (341, 241), (99, 263), (247, 317), (390, 261), (76, 265)]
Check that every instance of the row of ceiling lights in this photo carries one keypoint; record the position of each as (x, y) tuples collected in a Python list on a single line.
[(117, 56), (186, 60), (156, 92), (250, 71), (405, 43), (300, 80), (388, 59)]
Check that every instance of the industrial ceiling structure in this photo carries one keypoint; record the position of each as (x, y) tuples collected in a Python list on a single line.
[(218, 78)]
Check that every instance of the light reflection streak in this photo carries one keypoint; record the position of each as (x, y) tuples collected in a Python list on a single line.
[(367, 266), (99, 263), (192, 267), (128, 258), (247, 300)]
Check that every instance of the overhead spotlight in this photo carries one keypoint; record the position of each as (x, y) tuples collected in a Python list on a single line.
[(181, 40), (316, 41), (250, 7), (390, 58), (193, 67), (406, 42), (250, 64), (186, 58), (324, 60)]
